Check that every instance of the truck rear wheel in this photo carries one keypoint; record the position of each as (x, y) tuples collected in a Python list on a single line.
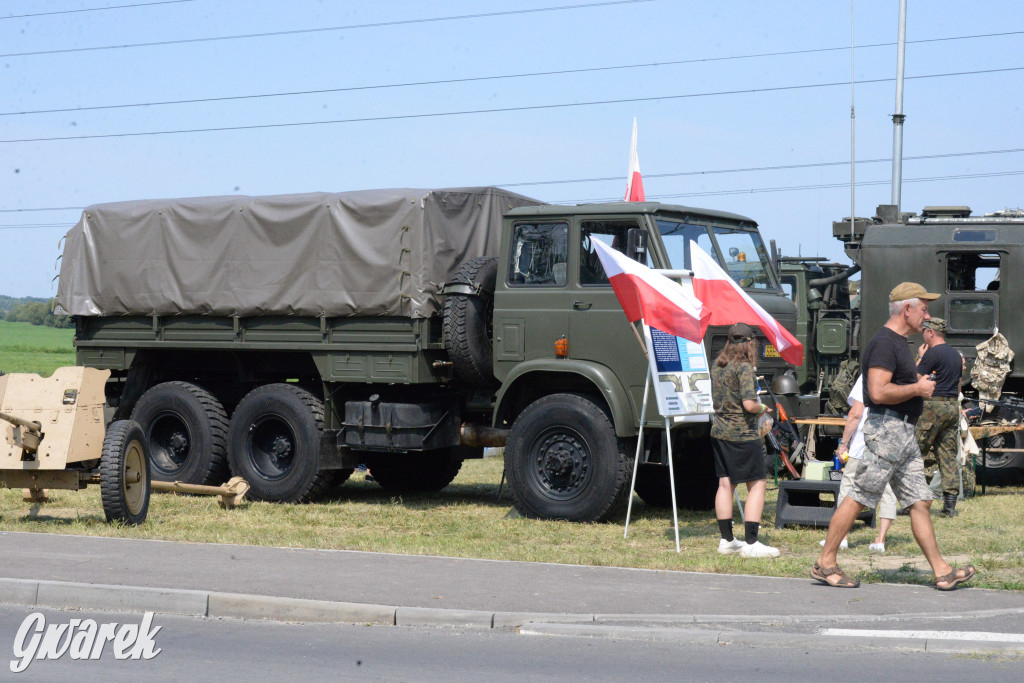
[(1002, 469), (468, 322), (416, 472), (564, 461), (124, 473), (186, 431), (274, 442)]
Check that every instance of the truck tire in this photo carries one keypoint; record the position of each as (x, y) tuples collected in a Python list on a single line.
[(468, 322), (186, 433), (415, 472), (696, 483), (564, 461), (274, 444), (124, 473)]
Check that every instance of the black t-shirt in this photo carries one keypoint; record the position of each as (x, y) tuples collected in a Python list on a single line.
[(890, 351), (948, 366)]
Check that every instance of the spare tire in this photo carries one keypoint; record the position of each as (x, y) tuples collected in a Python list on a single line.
[(469, 320)]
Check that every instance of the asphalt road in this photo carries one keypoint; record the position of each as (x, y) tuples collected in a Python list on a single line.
[(229, 649)]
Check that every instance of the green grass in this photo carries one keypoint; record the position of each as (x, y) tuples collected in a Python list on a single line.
[(34, 348), (467, 520)]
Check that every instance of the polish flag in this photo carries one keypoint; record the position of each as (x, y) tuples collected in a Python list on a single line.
[(649, 295), (634, 183), (730, 304)]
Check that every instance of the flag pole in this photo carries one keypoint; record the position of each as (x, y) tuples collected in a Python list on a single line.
[(639, 449), (643, 347)]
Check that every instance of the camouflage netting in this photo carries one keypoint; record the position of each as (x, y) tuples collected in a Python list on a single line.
[(374, 252), (992, 366)]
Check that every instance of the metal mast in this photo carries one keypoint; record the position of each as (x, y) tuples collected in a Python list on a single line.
[(898, 117)]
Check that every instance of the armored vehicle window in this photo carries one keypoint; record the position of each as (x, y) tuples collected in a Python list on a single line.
[(539, 254), (972, 315), (789, 286), (612, 233), (972, 272), (975, 236), (677, 236)]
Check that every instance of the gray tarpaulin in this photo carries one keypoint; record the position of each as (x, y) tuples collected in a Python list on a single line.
[(374, 252)]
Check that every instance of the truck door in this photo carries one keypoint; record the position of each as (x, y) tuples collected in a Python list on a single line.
[(598, 329), (533, 297)]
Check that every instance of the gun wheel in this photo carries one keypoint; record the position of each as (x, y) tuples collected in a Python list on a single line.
[(124, 473)]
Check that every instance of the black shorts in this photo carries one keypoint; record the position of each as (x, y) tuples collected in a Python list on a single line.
[(741, 461)]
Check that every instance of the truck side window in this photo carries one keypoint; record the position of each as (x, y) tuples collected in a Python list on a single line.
[(539, 254), (972, 272), (612, 233)]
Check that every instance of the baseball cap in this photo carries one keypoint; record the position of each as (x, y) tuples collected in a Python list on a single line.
[(741, 332), (911, 290), (937, 324)]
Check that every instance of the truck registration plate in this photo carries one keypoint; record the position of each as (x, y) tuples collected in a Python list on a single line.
[(770, 351)]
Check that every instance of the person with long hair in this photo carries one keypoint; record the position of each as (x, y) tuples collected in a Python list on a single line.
[(738, 447)]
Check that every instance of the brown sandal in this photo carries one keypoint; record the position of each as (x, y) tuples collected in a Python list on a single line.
[(952, 580), (819, 573)]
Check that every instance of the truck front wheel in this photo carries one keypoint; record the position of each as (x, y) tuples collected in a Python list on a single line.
[(274, 441), (564, 461)]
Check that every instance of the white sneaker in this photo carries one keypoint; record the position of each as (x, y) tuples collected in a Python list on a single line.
[(843, 544), (877, 548), (730, 547), (758, 549)]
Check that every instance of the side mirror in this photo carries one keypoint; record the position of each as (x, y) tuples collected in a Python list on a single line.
[(636, 244)]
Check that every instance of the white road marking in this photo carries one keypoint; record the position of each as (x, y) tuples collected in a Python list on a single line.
[(983, 636)]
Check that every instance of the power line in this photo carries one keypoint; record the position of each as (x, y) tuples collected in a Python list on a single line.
[(499, 110), (351, 27), (919, 157), (795, 188), (472, 79), (753, 190), (93, 9)]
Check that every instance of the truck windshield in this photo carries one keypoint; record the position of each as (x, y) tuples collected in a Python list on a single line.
[(746, 259)]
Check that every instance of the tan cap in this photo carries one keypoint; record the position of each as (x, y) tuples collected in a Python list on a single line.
[(911, 290)]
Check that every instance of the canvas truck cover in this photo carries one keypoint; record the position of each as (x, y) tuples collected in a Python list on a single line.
[(363, 253)]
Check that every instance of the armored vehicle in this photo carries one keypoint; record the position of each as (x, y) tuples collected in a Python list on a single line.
[(288, 339), (974, 262)]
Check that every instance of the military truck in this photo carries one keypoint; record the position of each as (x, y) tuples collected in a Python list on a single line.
[(966, 259), (289, 339)]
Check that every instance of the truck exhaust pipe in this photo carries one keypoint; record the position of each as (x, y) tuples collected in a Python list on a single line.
[(478, 435)]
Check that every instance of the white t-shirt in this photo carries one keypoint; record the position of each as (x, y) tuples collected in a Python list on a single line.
[(857, 441)]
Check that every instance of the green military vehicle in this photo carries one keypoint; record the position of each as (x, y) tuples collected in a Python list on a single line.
[(965, 258), (288, 339)]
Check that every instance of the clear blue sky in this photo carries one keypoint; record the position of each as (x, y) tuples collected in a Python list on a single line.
[(690, 125)]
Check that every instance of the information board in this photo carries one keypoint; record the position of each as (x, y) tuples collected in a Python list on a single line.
[(682, 379)]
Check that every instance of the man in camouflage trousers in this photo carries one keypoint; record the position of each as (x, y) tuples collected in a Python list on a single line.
[(939, 425), (893, 395)]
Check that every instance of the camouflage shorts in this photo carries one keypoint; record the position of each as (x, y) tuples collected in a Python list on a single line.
[(891, 457)]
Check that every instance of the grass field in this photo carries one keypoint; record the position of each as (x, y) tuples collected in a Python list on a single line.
[(34, 348), (468, 520)]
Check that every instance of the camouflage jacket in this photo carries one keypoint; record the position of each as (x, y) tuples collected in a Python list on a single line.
[(730, 386)]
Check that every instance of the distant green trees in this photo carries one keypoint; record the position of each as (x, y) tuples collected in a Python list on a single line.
[(37, 312)]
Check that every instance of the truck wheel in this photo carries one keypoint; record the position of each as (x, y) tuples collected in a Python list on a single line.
[(124, 473), (274, 444), (186, 431), (468, 322), (564, 461), (415, 472), (1002, 469)]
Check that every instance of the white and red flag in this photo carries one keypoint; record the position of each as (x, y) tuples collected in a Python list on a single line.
[(730, 304), (647, 294), (634, 183)]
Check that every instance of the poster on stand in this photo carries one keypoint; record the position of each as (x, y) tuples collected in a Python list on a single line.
[(682, 378)]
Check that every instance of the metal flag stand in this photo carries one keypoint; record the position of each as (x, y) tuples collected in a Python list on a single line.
[(639, 450)]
